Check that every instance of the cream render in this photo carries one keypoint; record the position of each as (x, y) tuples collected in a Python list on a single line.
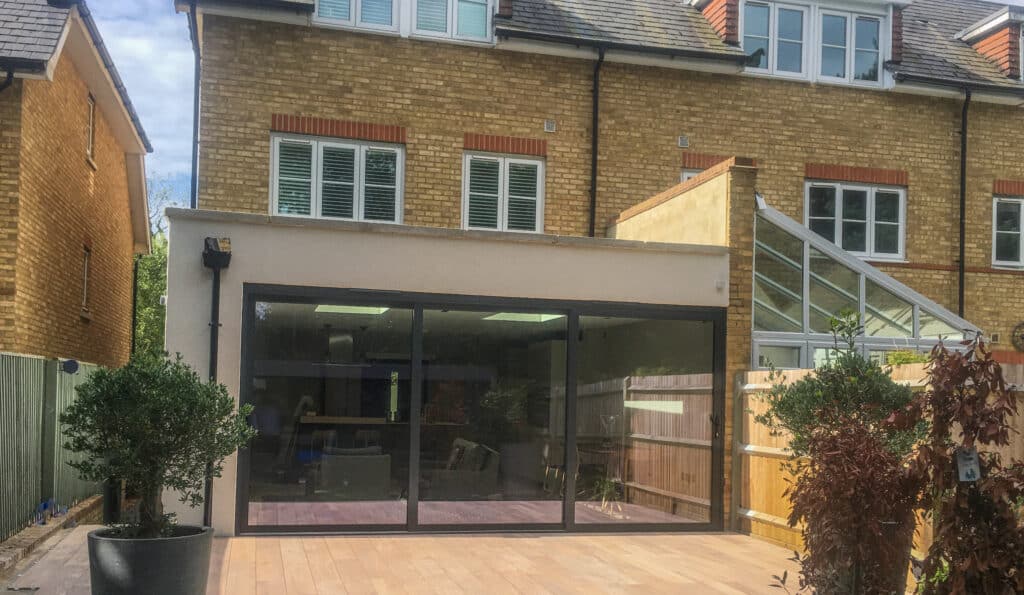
[(287, 251)]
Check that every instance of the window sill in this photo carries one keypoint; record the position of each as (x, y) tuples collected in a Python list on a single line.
[(883, 261), (378, 30), (91, 163), (1002, 266), (85, 315)]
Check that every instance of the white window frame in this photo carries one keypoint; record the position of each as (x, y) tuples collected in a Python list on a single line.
[(813, 35), (689, 173), (316, 183), (452, 31), (773, 38), (503, 163), (800, 346), (872, 190), (355, 17), (1019, 201)]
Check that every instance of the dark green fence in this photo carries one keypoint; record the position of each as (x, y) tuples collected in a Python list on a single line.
[(33, 461)]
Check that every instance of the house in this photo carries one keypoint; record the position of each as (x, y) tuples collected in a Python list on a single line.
[(496, 265), (73, 209)]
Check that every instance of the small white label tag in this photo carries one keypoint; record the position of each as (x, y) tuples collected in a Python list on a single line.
[(967, 465)]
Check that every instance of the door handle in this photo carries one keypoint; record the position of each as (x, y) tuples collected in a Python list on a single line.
[(716, 426)]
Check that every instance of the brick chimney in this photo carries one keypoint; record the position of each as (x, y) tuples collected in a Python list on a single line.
[(505, 8), (724, 17), (998, 39), (897, 34)]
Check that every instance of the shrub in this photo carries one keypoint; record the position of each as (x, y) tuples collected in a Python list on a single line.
[(978, 542), (154, 424)]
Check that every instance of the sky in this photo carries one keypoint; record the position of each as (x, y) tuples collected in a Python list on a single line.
[(152, 52)]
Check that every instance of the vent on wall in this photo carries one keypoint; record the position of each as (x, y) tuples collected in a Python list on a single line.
[(995, 337), (684, 142), (550, 126)]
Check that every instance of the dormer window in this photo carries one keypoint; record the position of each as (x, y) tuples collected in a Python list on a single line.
[(813, 42)]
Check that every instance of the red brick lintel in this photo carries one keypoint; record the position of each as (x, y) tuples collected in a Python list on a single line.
[(708, 174), (862, 175), (1008, 187), (505, 144), (382, 133)]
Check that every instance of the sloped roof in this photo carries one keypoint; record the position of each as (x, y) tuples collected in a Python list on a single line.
[(663, 25), (931, 51), (30, 30), (30, 33)]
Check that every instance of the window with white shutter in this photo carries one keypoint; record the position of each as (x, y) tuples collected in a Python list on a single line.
[(459, 19), (372, 14), (503, 193), (337, 179)]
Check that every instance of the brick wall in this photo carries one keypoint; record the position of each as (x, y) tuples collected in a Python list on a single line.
[(66, 204), (439, 92), (10, 145)]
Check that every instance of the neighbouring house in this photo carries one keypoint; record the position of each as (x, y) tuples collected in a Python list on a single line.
[(73, 209), (497, 264)]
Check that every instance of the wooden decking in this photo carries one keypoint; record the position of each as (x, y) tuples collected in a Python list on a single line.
[(472, 564)]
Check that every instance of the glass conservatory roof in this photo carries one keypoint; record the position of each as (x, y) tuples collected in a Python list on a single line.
[(802, 280)]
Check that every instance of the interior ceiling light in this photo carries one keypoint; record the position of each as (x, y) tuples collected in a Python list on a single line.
[(368, 310), (522, 317)]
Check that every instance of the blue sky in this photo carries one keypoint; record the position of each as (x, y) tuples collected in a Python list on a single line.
[(151, 49)]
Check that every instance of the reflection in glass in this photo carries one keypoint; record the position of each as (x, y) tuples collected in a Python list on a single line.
[(755, 34), (834, 289), (777, 356), (492, 418), (866, 56), (778, 279), (822, 211), (933, 328), (791, 38), (855, 225), (643, 421), (887, 222), (833, 46), (1008, 231), (886, 315), (330, 387)]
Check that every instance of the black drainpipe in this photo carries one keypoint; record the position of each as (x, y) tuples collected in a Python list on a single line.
[(8, 81), (594, 137), (197, 69), (963, 200), (216, 257)]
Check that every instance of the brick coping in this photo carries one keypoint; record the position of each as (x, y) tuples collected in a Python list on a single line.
[(705, 176), (23, 543)]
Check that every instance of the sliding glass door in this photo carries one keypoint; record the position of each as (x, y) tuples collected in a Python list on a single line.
[(424, 412)]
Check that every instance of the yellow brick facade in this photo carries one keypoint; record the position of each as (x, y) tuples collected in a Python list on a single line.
[(63, 204)]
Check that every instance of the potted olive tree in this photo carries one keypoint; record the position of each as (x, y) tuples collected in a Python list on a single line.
[(156, 425)]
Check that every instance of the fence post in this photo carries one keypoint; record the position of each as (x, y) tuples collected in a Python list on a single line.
[(736, 469), (49, 432)]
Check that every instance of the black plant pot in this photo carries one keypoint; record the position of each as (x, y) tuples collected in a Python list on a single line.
[(176, 565)]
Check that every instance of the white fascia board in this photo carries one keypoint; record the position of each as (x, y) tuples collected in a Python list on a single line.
[(857, 265), (587, 52), (138, 202), (1009, 14), (254, 13)]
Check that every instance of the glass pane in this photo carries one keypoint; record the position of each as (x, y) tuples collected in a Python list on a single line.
[(432, 15), (757, 51), (824, 355), (335, 9), (833, 62), (472, 19), (865, 67), (855, 205), (855, 237), (866, 36), (822, 201), (887, 206), (642, 421), (755, 19), (825, 228), (791, 24), (330, 387), (380, 193), (493, 418), (791, 58), (778, 280), (1008, 216), (886, 315), (1008, 247), (834, 289), (294, 178), (887, 238), (338, 167), (376, 12), (833, 30), (484, 185), (779, 357), (933, 328)]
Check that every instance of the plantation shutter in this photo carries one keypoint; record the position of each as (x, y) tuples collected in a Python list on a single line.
[(376, 12), (380, 188), (484, 192), (335, 9), (472, 18), (522, 196), (294, 177), (338, 182), (432, 15)]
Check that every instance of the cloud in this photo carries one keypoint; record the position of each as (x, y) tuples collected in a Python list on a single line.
[(151, 49)]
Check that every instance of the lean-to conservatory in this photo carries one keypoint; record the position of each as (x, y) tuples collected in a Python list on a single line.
[(801, 281)]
